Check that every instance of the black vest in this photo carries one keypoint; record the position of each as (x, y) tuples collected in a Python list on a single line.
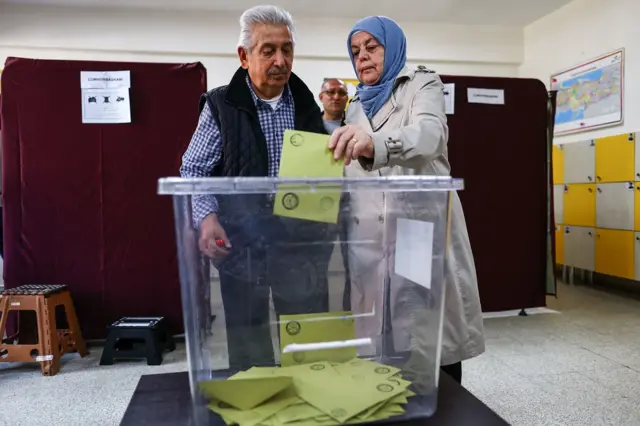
[(244, 147), (248, 219)]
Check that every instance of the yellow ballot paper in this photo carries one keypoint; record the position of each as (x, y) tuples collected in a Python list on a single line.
[(316, 394), (347, 397), (317, 328), (245, 393), (306, 155), (257, 415)]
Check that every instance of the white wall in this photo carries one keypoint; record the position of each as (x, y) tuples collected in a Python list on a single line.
[(582, 30), (156, 36)]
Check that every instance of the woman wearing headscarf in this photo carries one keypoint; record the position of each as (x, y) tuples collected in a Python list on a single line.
[(396, 125)]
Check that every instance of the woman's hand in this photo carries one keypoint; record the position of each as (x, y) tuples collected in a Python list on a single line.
[(351, 142)]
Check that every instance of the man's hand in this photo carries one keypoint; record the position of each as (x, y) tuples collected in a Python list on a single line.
[(351, 141), (210, 233)]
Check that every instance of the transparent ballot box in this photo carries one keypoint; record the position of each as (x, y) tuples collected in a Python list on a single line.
[(312, 301)]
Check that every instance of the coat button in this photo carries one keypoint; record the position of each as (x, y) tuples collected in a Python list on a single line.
[(381, 218)]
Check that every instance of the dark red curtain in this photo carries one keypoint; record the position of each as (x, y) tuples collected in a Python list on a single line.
[(80, 200), (501, 153)]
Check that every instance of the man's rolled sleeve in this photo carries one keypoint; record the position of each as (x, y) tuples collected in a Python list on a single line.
[(202, 155)]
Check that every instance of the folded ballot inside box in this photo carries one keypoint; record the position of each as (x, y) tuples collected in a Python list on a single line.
[(321, 393)]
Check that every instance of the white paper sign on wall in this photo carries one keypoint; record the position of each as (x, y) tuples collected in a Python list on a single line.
[(449, 98), (105, 97), (485, 96)]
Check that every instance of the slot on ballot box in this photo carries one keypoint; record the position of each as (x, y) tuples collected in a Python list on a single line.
[(355, 332)]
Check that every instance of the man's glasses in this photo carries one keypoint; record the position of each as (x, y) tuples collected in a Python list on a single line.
[(339, 92)]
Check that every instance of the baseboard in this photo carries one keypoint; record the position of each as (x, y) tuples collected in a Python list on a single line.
[(614, 285)]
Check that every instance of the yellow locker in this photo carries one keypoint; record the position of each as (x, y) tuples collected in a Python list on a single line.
[(559, 245), (636, 207), (580, 204), (615, 253), (557, 164), (615, 158)]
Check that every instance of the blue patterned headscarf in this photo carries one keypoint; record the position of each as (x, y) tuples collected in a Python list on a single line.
[(391, 36)]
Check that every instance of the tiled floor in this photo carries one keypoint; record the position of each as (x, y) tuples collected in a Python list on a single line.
[(578, 367)]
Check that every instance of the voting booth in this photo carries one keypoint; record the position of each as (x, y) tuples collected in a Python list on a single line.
[(354, 272)]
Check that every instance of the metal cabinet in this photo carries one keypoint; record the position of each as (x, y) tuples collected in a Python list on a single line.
[(615, 205), (579, 247), (579, 162)]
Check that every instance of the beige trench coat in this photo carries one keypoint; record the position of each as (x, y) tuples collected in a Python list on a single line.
[(413, 124)]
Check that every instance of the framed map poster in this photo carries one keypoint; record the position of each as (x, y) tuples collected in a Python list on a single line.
[(590, 95)]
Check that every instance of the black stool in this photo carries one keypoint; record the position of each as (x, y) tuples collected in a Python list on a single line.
[(141, 337)]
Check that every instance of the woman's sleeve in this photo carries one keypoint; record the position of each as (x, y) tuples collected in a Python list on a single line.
[(421, 141)]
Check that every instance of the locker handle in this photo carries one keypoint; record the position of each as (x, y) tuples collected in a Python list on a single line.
[(589, 178), (637, 238), (598, 177), (599, 189), (590, 234), (638, 188), (591, 190)]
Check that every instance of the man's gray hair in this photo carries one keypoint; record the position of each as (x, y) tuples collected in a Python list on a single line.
[(262, 15)]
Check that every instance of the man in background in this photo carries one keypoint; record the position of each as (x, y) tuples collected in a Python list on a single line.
[(334, 96), (240, 134)]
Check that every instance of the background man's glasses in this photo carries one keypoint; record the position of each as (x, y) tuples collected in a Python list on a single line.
[(340, 92)]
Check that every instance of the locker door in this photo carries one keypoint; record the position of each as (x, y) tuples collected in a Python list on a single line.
[(557, 162), (558, 203), (615, 253), (637, 157), (559, 244), (580, 162), (579, 247), (580, 204), (615, 158), (615, 205), (637, 255), (636, 208)]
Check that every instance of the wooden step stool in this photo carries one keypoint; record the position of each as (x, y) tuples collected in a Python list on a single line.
[(40, 340)]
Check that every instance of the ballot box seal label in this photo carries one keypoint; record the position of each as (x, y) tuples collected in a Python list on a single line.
[(383, 387), (290, 201), (296, 139), (317, 367), (298, 357), (293, 328)]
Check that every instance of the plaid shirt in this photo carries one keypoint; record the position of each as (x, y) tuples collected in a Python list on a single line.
[(205, 149)]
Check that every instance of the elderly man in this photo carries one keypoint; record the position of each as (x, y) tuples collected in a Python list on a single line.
[(334, 96), (240, 133)]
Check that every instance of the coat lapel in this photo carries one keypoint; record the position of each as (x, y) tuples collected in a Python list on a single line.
[(385, 112)]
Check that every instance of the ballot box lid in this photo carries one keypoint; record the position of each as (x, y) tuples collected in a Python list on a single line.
[(269, 185)]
